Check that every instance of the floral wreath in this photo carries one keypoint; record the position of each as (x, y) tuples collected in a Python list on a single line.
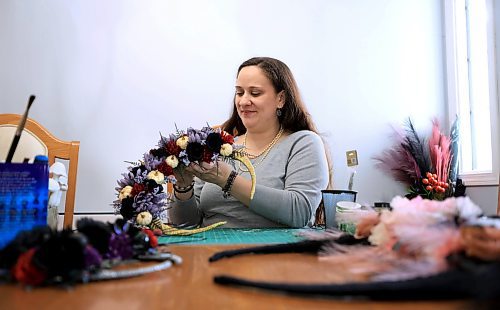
[(42, 256), (141, 195)]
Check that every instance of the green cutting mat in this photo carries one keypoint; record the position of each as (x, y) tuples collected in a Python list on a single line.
[(237, 236)]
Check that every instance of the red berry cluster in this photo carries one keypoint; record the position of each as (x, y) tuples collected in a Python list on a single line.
[(432, 183)]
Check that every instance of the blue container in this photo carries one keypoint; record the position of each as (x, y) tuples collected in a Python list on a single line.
[(24, 194)]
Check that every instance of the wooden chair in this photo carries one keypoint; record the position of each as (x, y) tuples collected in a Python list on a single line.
[(36, 140)]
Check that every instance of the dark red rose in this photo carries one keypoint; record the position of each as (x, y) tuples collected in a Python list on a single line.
[(227, 138), (173, 148), (165, 169), (137, 188), (207, 156)]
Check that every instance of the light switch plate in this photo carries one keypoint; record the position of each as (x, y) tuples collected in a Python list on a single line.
[(352, 158)]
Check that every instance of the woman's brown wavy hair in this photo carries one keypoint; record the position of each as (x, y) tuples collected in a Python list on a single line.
[(294, 115)]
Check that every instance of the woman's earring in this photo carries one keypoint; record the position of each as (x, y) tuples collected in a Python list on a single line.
[(278, 112)]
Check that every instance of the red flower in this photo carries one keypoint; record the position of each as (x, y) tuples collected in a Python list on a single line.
[(153, 241), (207, 156), (173, 148), (137, 188), (25, 272), (227, 138), (165, 169)]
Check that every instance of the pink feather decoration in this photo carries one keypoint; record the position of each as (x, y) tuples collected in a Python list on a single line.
[(398, 161), (412, 240), (440, 152)]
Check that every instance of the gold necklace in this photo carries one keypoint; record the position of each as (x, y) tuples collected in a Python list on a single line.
[(267, 148), (263, 153)]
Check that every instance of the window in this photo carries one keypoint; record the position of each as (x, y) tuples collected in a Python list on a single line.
[(471, 86)]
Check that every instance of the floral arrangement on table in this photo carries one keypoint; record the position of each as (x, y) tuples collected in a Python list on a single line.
[(141, 193), (427, 166), (43, 256)]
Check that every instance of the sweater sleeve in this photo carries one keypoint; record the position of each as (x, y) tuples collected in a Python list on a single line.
[(186, 212), (306, 175)]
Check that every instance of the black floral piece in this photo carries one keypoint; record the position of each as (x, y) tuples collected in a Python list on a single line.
[(159, 152), (127, 208), (214, 141), (153, 187), (194, 151)]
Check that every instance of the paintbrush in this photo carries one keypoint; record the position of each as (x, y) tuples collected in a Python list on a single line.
[(19, 130)]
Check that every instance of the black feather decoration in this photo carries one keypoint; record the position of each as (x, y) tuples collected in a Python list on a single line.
[(97, 233), (62, 257), (417, 147), (24, 241)]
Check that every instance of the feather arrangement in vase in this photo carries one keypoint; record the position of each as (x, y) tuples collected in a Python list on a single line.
[(427, 166)]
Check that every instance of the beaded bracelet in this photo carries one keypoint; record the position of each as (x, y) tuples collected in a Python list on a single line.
[(183, 189), (226, 190)]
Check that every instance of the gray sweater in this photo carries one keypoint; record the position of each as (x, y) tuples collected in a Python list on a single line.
[(288, 190)]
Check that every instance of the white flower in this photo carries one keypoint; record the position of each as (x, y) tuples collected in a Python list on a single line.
[(172, 161), (144, 218), (182, 142), (226, 149), (125, 192), (157, 176)]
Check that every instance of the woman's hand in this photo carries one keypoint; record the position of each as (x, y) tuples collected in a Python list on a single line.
[(216, 173), (481, 242), (183, 177)]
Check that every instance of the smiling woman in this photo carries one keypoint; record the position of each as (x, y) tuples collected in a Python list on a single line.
[(270, 120)]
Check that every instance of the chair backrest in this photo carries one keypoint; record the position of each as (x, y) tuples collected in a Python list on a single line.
[(37, 140)]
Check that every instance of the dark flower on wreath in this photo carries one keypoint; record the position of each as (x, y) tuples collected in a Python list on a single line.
[(62, 256), (93, 258), (153, 187), (137, 188), (135, 170), (194, 151), (214, 142), (97, 233), (159, 152), (227, 138), (173, 148), (208, 156), (127, 208), (120, 246), (165, 169)]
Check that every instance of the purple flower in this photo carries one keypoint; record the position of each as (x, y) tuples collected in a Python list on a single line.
[(120, 247), (151, 162), (92, 257), (153, 203)]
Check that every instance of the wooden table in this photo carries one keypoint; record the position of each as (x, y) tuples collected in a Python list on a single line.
[(190, 286)]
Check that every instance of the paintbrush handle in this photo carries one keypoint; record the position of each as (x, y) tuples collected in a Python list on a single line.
[(19, 131)]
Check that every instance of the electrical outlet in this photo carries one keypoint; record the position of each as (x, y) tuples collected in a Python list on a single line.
[(352, 158)]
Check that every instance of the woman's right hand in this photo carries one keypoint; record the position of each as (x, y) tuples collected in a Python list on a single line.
[(183, 177)]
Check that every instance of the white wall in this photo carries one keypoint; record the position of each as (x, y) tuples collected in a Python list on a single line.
[(113, 74)]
